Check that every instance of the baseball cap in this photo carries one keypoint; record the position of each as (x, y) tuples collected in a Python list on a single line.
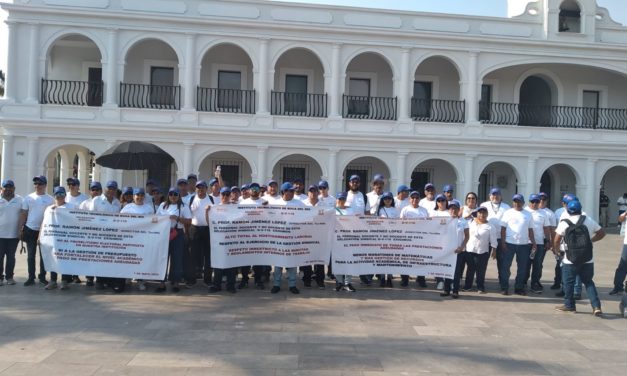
[(95, 185), (72, 180), (192, 176), (447, 188), (112, 184), (297, 180), (312, 188), (402, 188), (8, 183), (543, 195), (480, 208), (151, 182), (534, 197), (156, 190), (341, 196), (139, 191), (173, 190), (568, 197), (387, 195), (127, 191), (440, 197), (414, 193), (235, 188), (42, 179), (354, 177), (272, 181), (429, 186), (573, 207), (495, 192), (323, 184), (244, 187), (287, 186), (213, 181), (254, 186), (518, 197), (201, 183), (225, 190), (455, 203), (58, 191), (377, 178), (181, 181)]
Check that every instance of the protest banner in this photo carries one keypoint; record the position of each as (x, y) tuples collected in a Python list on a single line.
[(368, 245), (80, 242), (286, 236)]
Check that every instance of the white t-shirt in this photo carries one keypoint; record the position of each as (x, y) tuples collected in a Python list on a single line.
[(308, 203), (460, 225), (592, 226), (198, 208), (467, 211), (272, 200), (411, 212), (400, 204), (86, 205), (481, 237), (174, 209), (622, 203), (373, 201), (551, 215), (186, 199), (65, 206), (251, 201), (133, 208), (439, 213), (301, 197), (539, 222), (517, 224), (9, 217), (348, 211), (357, 201), (327, 202), (78, 200), (36, 205), (292, 202), (427, 204), (495, 213), (101, 204), (389, 212)]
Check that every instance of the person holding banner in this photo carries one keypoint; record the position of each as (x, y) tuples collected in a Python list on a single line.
[(138, 206), (402, 197), (245, 193), (10, 207), (200, 259), (127, 196), (231, 273), (386, 209), (157, 198), (95, 190), (481, 242), (343, 281), (359, 204), (272, 194), (59, 203), (326, 200), (462, 239), (299, 189), (318, 269), (107, 203), (441, 210), (378, 183), (254, 199), (414, 210), (75, 196), (180, 216), (235, 194), (428, 202)]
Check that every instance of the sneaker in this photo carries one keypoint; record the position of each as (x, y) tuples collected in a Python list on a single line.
[(320, 285), (275, 289), (481, 291), (555, 286), (563, 308), (64, 285), (43, 281), (339, 287), (89, 283), (214, 289), (51, 286), (535, 290), (29, 282), (560, 294), (520, 292), (141, 286), (243, 285), (10, 281), (577, 296), (388, 283), (596, 312), (350, 288), (455, 295), (466, 289), (613, 292), (294, 290), (440, 286), (505, 292), (260, 286), (443, 294)]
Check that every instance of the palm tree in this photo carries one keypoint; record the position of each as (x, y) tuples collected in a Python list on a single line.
[(1, 83)]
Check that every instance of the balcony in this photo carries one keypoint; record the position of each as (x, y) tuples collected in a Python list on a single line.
[(438, 110), (375, 108), (74, 93), (553, 116), (298, 104), (150, 96), (225, 100)]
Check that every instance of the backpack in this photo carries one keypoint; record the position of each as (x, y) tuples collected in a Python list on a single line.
[(578, 242)]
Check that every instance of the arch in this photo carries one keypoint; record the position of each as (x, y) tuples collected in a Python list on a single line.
[(277, 158), (375, 51), (309, 176), (54, 38), (548, 76), (459, 175), (236, 168), (325, 64), (209, 152), (349, 158), (219, 42), (556, 177), (602, 172), (450, 58), (480, 168), (145, 37), (556, 60), (548, 164), (46, 149), (570, 12)]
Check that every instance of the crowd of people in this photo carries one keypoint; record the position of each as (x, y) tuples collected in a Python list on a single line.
[(525, 231)]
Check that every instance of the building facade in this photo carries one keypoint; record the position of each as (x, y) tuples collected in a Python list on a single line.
[(277, 90)]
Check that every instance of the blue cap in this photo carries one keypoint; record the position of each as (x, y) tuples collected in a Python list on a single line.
[(414, 193), (568, 197), (181, 181), (213, 181), (201, 183), (495, 192), (543, 195), (534, 197), (225, 190), (387, 195), (254, 185), (8, 183), (272, 181), (112, 184), (72, 180), (377, 178), (235, 188), (244, 187), (127, 190), (429, 186), (312, 188), (440, 197), (455, 203), (354, 177), (151, 182), (192, 176), (95, 184), (323, 184), (480, 208), (156, 189), (58, 191), (573, 207), (341, 196), (139, 191), (297, 180), (287, 186), (447, 188), (518, 197), (42, 179), (402, 188), (173, 190)]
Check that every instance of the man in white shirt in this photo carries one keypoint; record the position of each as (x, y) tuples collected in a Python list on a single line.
[(108, 203), (95, 190), (299, 189), (10, 208), (517, 231), (183, 187), (272, 194), (245, 192), (74, 196), (31, 217), (59, 204), (402, 197), (317, 270), (354, 198), (373, 197), (428, 202), (448, 193), (621, 269), (542, 234), (288, 199), (326, 200), (496, 208), (199, 233), (254, 199), (414, 210), (214, 186), (584, 270)]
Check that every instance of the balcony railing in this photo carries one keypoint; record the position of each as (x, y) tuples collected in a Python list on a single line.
[(298, 104), (438, 110), (225, 100), (75, 93), (150, 96), (376, 108), (553, 116)]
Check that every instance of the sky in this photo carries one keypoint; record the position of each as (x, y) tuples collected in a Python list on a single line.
[(497, 8)]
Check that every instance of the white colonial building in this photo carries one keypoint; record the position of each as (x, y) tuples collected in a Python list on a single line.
[(277, 90)]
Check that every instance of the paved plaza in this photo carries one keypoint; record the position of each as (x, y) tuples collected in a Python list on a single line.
[(372, 332)]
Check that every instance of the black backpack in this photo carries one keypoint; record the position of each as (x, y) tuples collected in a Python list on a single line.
[(578, 242)]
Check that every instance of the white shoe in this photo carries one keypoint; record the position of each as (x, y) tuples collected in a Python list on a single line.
[(10, 281), (141, 286), (64, 285), (440, 286), (51, 285)]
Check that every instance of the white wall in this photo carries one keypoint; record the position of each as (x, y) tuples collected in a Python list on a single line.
[(301, 62), (71, 62), (225, 57), (147, 53), (446, 82)]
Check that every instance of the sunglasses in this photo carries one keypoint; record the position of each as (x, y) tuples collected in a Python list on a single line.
[(38, 183), (60, 195), (255, 189), (96, 189), (173, 194), (72, 185), (323, 188)]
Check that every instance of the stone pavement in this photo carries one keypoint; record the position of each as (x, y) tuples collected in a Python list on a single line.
[(373, 332)]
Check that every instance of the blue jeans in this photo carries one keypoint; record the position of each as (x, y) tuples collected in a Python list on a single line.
[(534, 267), (585, 272), (176, 248), (521, 251), (477, 264), (291, 276), (8, 247), (621, 271), (30, 238)]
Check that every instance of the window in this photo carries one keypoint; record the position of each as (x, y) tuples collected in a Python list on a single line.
[(359, 91), (421, 103), (229, 93), (591, 107), (418, 181), (161, 86), (569, 17), (484, 104), (295, 93), (230, 175), (292, 173), (94, 87)]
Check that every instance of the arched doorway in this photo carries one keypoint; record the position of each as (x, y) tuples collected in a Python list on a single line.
[(556, 181), (614, 186), (297, 166), (235, 169), (369, 88), (436, 171), (500, 175), (366, 168), (535, 102), (69, 161), (436, 91)]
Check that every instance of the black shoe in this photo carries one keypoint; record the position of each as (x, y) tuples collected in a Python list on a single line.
[(388, 283), (615, 292), (338, 287), (577, 296), (294, 290), (29, 282), (443, 294), (160, 289), (350, 288), (75, 279), (520, 292), (320, 285), (260, 286), (536, 289), (466, 289), (176, 288), (214, 289), (404, 283), (560, 294), (331, 276), (243, 285), (422, 284), (455, 295), (505, 292), (555, 286), (231, 289), (89, 283), (382, 283), (43, 281), (100, 286), (307, 283), (275, 289)]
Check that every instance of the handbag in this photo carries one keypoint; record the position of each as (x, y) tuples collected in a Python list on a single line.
[(174, 231)]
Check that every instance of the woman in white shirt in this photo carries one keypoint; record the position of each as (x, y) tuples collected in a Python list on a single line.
[(386, 209), (180, 216), (441, 207), (462, 240), (470, 205), (482, 241), (343, 281)]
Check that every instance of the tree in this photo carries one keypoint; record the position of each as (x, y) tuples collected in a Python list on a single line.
[(1, 83)]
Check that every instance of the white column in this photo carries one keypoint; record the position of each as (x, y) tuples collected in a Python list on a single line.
[(187, 159), (33, 154), (591, 191), (469, 179), (83, 170), (33, 65), (109, 174), (472, 89), (262, 174), (189, 84), (336, 75), (11, 76), (401, 166), (403, 92), (532, 180), (333, 176), (263, 77), (64, 172), (7, 157), (97, 173), (111, 80)]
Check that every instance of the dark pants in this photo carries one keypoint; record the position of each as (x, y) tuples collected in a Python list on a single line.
[(175, 250), (230, 277), (257, 269), (64, 277), (459, 269), (309, 271), (8, 247), (477, 264), (419, 279), (557, 280), (30, 238), (619, 275), (586, 273), (201, 251), (521, 251), (534, 267)]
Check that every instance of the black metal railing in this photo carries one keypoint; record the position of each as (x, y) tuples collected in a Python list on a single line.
[(150, 96), (225, 100), (76, 93), (377, 108), (438, 110), (298, 104), (552, 116)]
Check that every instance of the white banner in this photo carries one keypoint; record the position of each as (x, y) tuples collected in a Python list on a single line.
[(367, 245), (80, 242), (285, 236)]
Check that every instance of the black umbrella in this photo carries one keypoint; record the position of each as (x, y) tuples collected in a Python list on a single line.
[(134, 155)]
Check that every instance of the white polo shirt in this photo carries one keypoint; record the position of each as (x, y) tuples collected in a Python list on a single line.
[(373, 201), (133, 208), (400, 204), (173, 209), (411, 212), (481, 236), (272, 200), (357, 201), (427, 204), (76, 200), (9, 217), (495, 213), (292, 202), (36, 205), (517, 224), (327, 202), (198, 208), (251, 201), (101, 204)]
